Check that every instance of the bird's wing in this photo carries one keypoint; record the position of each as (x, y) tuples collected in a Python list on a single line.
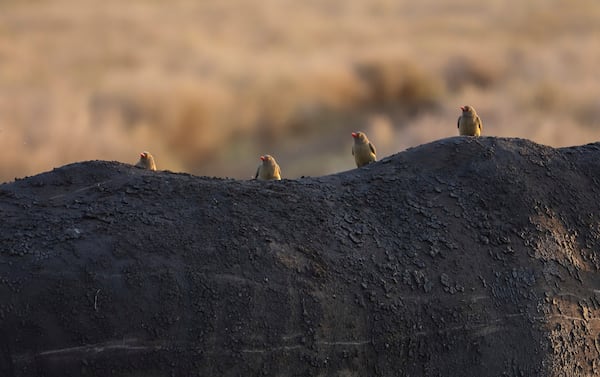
[(277, 171), (458, 123), (257, 171), (353, 150), (479, 123), (372, 148)]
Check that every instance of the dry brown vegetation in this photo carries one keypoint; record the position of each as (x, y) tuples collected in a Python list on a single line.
[(209, 86)]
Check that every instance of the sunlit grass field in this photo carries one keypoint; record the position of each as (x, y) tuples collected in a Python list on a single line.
[(209, 86)]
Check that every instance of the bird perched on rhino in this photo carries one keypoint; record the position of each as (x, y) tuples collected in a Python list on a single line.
[(146, 161), (363, 151), (469, 123), (268, 169)]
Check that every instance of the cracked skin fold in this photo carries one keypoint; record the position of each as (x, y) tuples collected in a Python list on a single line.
[(464, 256)]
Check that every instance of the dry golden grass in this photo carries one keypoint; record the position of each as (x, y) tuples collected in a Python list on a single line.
[(209, 86)]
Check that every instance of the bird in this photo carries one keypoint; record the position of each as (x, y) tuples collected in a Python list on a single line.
[(363, 151), (268, 169), (469, 123), (146, 161)]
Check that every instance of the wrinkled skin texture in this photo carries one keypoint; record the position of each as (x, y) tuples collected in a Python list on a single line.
[(462, 257)]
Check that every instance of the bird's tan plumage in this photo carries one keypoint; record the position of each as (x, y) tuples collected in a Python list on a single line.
[(469, 123), (363, 151), (146, 161), (268, 169)]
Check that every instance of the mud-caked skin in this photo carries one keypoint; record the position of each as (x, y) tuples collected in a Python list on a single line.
[(461, 257)]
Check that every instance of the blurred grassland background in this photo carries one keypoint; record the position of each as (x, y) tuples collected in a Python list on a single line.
[(208, 86)]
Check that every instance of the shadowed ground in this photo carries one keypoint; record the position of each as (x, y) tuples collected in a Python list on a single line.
[(460, 257)]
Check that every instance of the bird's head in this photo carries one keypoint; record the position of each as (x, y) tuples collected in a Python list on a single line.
[(144, 155), (467, 109), (359, 136), (266, 158)]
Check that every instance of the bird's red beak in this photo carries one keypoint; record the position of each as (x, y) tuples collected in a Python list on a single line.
[(354, 134), (462, 108), (142, 154), (263, 158)]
